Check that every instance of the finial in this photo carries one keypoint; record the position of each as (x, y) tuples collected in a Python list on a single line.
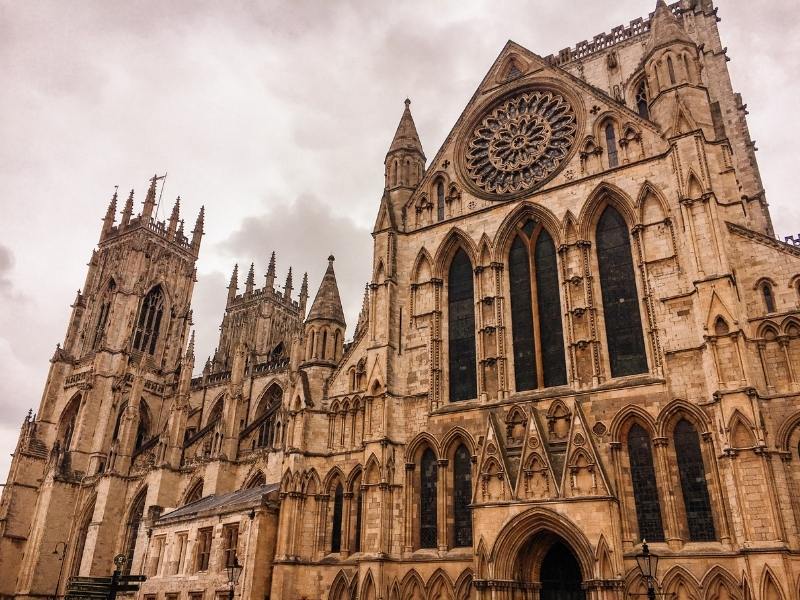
[(407, 102), (331, 258)]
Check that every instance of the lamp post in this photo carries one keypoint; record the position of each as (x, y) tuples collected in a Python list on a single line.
[(234, 570), (648, 565), (61, 554)]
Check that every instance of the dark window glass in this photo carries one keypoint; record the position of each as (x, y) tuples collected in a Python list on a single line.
[(620, 302), (461, 329), (357, 534), (427, 500), (336, 533), (230, 536), (769, 300), (641, 100), (519, 271), (693, 482), (671, 69), (203, 548), (645, 492), (551, 331), (561, 575), (132, 530), (440, 201), (149, 321), (611, 142), (462, 497)]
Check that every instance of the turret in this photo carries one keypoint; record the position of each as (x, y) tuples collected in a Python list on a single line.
[(270, 276), (150, 200), (175, 216), (197, 232), (325, 324), (108, 220), (127, 211), (304, 294), (405, 160), (250, 283), (678, 100), (233, 286), (287, 288)]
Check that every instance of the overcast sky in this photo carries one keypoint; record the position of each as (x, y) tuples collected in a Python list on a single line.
[(276, 116)]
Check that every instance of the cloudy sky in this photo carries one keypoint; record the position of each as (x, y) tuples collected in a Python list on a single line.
[(276, 116)]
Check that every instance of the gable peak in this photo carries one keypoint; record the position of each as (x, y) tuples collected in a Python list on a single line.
[(406, 136), (327, 303)]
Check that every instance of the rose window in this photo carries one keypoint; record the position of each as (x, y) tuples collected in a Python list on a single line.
[(521, 142)]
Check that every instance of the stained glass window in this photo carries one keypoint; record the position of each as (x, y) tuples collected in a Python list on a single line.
[(132, 529), (440, 200), (645, 491), (336, 533), (427, 500), (554, 365), (620, 299), (462, 497), (149, 321), (611, 143), (692, 471), (461, 329), (357, 533), (521, 316), (769, 299)]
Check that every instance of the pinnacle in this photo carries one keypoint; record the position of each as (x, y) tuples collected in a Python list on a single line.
[(327, 303), (406, 136), (665, 28)]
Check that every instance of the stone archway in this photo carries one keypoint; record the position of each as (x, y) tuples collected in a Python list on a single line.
[(547, 569)]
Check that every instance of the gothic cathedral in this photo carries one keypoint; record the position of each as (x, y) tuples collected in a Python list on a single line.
[(580, 333)]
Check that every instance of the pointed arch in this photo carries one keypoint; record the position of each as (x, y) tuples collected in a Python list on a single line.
[(353, 477), (148, 322), (368, 587), (523, 212), (605, 566), (651, 204), (770, 586), (133, 522), (785, 431), (603, 195), (412, 586), (256, 479), (741, 431), (624, 418), (333, 477), (83, 523), (718, 579), (454, 240), (68, 420), (680, 582), (194, 491), (423, 267), (455, 436), (694, 187), (463, 585), (417, 445), (311, 483), (461, 342), (677, 409), (440, 586), (372, 470), (340, 587)]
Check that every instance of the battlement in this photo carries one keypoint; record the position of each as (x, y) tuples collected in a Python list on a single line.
[(257, 295), (160, 228), (604, 41)]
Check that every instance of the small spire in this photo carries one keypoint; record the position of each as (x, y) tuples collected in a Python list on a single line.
[(665, 29), (304, 293), (150, 200), (173, 218), (190, 347), (180, 234), (233, 286), (363, 316), (406, 136), (270, 276), (111, 211), (127, 211), (250, 283), (197, 232), (287, 289), (327, 303)]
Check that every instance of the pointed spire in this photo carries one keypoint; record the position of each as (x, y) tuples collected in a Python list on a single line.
[(251, 280), (111, 211), (180, 234), (363, 316), (233, 286), (327, 303), (197, 232), (190, 347), (406, 137), (127, 211), (150, 200), (665, 29), (304, 294), (287, 289), (173, 218), (271, 272)]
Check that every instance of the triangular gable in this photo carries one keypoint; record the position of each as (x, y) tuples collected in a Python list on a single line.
[(494, 484), (385, 218), (584, 474), (536, 479)]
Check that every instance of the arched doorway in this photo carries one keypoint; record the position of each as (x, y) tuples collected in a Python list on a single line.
[(560, 575)]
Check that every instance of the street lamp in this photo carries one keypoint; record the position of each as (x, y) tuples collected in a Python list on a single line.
[(60, 553), (234, 570), (648, 565)]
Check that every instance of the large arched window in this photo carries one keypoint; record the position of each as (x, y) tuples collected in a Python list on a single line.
[(671, 70), (645, 491), (336, 532), (132, 529), (641, 100), (611, 145), (102, 317), (536, 310), (195, 493), (143, 428), (80, 542), (149, 321), (440, 200), (462, 497), (623, 321), (769, 298), (427, 499), (461, 329), (692, 472)]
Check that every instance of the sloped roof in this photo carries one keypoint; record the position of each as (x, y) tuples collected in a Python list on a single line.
[(327, 303), (406, 136), (219, 504)]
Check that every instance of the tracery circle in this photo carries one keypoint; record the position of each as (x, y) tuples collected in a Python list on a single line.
[(521, 142)]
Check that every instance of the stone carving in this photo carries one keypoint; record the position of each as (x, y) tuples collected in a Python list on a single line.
[(521, 142)]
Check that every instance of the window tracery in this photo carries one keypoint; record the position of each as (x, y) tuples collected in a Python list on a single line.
[(462, 497), (429, 472), (645, 491), (440, 200), (461, 329), (694, 487), (149, 321), (641, 100), (611, 145)]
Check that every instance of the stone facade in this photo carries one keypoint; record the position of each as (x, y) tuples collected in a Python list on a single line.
[(580, 332)]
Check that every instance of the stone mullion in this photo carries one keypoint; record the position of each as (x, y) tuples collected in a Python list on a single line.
[(386, 518), (672, 524), (316, 546), (712, 341), (563, 252), (655, 345), (769, 477), (409, 509), (322, 524), (762, 346), (480, 328), (499, 308), (616, 458), (435, 358), (345, 534), (441, 504), (709, 457), (588, 281), (297, 526), (686, 206), (784, 342), (739, 340)]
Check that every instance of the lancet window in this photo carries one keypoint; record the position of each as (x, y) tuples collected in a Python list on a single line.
[(336, 532), (641, 100), (626, 351), (769, 298), (611, 145), (102, 317), (149, 321), (440, 200), (132, 529), (536, 325), (427, 499), (696, 501), (645, 491), (461, 329), (462, 497)]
